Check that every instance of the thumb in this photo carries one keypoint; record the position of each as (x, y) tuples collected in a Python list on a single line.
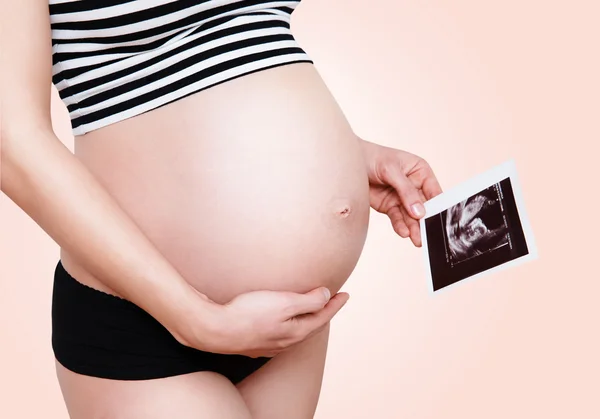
[(408, 193), (310, 302)]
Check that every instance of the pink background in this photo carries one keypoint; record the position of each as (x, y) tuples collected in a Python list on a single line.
[(467, 85)]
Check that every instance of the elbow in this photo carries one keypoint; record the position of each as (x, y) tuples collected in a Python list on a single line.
[(18, 138), (17, 148), (9, 160)]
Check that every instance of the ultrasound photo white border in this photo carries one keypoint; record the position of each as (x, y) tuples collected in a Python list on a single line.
[(467, 189)]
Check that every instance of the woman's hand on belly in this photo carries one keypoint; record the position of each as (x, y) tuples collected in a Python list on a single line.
[(263, 323)]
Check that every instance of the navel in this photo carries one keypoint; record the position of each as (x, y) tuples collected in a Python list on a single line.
[(342, 208)]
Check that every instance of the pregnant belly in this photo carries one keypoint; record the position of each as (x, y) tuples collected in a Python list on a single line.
[(258, 183)]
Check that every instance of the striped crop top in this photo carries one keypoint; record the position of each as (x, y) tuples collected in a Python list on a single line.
[(114, 59)]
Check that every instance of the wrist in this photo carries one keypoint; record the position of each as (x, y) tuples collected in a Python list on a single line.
[(199, 322), (367, 149)]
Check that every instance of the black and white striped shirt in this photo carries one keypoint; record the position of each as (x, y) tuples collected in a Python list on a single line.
[(114, 59)]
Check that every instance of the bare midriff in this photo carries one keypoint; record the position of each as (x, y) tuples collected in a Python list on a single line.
[(256, 183)]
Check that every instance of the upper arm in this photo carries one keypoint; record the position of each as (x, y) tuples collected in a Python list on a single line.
[(25, 68)]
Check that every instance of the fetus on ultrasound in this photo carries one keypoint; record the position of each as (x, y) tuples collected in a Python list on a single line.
[(475, 226)]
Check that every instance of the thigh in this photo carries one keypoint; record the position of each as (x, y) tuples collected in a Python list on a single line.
[(189, 396), (288, 386)]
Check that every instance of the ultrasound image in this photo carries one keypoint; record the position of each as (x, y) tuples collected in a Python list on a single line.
[(475, 225), (475, 235)]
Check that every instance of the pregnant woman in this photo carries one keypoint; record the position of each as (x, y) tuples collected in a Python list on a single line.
[(216, 199)]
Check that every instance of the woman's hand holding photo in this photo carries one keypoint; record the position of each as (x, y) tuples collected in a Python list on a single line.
[(400, 183)]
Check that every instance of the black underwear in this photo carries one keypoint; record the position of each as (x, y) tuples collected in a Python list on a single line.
[(101, 335)]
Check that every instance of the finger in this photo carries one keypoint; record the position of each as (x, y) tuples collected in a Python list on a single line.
[(414, 228), (424, 179), (398, 223), (316, 331), (309, 323), (309, 302), (431, 187), (408, 193), (301, 337)]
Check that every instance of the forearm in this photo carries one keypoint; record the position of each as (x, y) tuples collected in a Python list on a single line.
[(56, 190)]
